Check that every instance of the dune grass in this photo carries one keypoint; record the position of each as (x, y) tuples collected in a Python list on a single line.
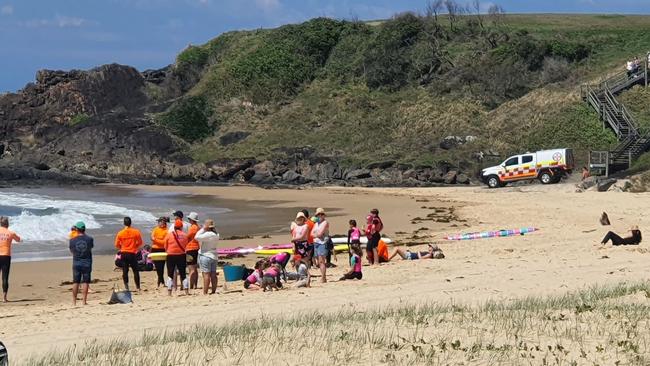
[(604, 325)]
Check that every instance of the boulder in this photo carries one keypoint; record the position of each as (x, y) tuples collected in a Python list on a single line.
[(588, 183), (605, 184), (451, 177), (290, 176), (358, 174), (381, 165), (462, 179), (233, 137), (623, 185)]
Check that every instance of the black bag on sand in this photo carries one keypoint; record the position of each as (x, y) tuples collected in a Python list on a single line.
[(120, 297), (604, 220)]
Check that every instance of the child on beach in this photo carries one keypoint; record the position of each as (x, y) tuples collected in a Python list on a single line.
[(355, 265), (282, 259), (302, 275), (255, 278), (354, 236)]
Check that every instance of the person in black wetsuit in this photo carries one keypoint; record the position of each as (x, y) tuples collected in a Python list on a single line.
[(634, 239)]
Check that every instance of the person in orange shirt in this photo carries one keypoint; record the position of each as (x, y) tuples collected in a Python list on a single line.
[(175, 246), (310, 238), (128, 241), (382, 252), (73, 233), (158, 236), (192, 249), (6, 238)]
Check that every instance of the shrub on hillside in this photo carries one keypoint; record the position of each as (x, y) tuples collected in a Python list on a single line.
[(192, 56), (387, 61), (189, 119), (554, 70), (288, 57)]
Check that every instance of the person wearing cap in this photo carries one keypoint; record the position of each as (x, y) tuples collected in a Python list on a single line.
[(299, 237), (158, 236), (192, 249), (178, 216), (175, 244), (128, 241), (7, 237), (321, 233), (81, 247), (208, 237)]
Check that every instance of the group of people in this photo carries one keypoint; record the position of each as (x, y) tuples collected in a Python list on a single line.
[(189, 247)]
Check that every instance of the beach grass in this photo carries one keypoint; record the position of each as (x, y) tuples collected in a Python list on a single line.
[(602, 325)]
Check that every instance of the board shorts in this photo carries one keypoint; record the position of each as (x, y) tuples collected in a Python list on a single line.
[(194, 254), (207, 264), (410, 256), (320, 249), (81, 273), (373, 241)]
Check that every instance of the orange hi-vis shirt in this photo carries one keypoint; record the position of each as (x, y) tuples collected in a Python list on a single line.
[(193, 244), (158, 237), (310, 226), (128, 240), (382, 250), (6, 237), (173, 247), (73, 234)]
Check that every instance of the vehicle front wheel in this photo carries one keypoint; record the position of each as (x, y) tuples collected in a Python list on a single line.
[(493, 181), (546, 177)]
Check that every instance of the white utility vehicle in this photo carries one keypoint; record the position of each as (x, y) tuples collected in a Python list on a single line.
[(549, 166)]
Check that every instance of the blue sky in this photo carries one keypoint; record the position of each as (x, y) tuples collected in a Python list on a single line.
[(65, 34)]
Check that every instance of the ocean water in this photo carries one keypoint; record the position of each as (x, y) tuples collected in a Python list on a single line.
[(43, 216)]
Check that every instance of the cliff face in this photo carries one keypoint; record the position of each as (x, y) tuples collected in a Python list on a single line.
[(85, 122)]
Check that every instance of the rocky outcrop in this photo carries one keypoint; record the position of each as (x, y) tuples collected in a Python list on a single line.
[(93, 126)]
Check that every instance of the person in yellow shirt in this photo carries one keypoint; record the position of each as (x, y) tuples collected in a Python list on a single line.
[(128, 241), (158, 240)]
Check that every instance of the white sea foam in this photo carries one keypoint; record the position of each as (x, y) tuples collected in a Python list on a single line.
[(54, 223)]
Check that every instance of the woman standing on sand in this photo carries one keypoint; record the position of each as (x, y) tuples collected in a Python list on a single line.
[(6, 238), (321, 233), (299, 237), (208, 237), (158, 236)]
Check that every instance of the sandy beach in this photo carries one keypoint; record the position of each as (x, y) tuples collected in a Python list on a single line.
[(565, 255)]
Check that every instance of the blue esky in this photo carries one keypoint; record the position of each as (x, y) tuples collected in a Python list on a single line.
[(65, 34)]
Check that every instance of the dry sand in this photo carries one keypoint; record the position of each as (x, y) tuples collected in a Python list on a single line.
[(564, 255)]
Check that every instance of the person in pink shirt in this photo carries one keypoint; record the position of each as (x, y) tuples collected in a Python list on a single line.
[(321, 233), (300, 237), (7, 237)]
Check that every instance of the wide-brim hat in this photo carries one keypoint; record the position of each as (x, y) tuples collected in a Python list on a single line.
[(193, 216), (320, 211)]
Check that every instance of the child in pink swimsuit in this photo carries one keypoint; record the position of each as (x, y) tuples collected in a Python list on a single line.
[(355, 264)]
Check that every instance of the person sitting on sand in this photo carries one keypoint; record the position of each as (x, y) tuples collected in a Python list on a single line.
[(208, 237), (433, 253), (633, 239), (175, 244), (128, 241), (252, 282), (355, 265), (299, 237), (585, 173), (302, 275), (6, 238), (82, 262)]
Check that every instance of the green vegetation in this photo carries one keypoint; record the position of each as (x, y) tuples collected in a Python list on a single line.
[(600, 325), (393, 89), (79, 119), (189, 118)]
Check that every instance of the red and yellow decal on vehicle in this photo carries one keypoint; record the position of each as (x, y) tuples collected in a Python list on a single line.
[(520, 172)]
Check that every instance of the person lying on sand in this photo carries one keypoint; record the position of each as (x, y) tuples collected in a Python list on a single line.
[(433, 253), (633, 239)]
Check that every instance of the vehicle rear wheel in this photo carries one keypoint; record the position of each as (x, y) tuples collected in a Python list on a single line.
[(493, 181), (546, 177)]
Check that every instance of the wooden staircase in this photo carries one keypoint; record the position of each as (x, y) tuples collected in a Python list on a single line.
[(632, 141)]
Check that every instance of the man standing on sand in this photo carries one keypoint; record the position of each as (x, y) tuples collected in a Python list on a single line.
[(6, 238), (128, 241), (82, 261)]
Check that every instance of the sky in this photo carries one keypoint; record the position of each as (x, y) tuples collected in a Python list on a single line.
[(147, 34)]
